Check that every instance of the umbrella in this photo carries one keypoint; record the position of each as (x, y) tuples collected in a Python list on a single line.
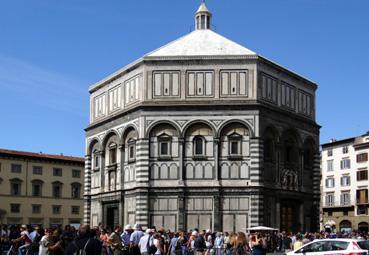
[(261, 228)]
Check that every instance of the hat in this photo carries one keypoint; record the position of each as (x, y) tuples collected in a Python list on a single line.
[(127, 227), (24, 226), (148, 231), (194, 233), (208, 231)]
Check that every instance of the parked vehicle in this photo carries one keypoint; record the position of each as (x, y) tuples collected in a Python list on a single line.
[(331, 247)]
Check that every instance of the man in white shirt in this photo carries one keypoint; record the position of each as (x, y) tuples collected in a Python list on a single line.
[(145, 242)]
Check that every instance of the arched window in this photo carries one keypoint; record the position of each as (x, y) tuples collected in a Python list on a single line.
[(15, 186), (131, 150), (164, 147), (234, 145), (57, 189), (96, 162), (37, 188), (199, 146), (112, 153), (76, 190)]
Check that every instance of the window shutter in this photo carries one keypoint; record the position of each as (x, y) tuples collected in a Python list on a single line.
[(332, 182), (342, 183), (348, 180), (326, 182), (341, 164)]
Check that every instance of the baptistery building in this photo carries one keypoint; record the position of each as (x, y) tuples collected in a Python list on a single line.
[(203, 133)]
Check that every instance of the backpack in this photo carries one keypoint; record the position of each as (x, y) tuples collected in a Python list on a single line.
[(81, 251)]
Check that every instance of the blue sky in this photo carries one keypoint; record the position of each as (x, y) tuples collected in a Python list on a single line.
[(52, 51)]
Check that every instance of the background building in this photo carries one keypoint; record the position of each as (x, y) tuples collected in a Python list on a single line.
[(203, 133), (345, 184), (37, 188)]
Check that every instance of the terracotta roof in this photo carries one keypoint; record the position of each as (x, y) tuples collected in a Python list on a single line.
[(41, 156)]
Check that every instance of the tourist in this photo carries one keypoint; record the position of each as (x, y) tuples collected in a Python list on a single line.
[(135, 239), (145, 242), (115, 241), (85, 241)]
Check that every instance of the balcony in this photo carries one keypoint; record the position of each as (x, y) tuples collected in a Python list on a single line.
[(337, 204)]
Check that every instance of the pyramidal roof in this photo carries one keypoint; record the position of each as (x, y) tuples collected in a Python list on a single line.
[(201, 43)]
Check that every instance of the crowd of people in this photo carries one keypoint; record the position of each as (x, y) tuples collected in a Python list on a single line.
[(130, 240)]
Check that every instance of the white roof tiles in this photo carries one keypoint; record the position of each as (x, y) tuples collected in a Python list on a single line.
[(201, 43)]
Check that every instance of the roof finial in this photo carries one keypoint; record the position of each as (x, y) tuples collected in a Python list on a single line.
[(203, 17)]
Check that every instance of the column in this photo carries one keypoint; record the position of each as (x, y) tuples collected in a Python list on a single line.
[(87, 191), (216, 213), (121, 169), (142, 207), (142, 181), (180, 154), (256, 152), (316, 193), (181, 222), (278, 214), (216, 158), (301, 217)]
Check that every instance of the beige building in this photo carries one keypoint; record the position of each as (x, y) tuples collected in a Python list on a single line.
[(37, 188), (345, 184)]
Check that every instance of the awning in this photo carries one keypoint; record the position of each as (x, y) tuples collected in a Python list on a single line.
[(330, 223), (261, 228)]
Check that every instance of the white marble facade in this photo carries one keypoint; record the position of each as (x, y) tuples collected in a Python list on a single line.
[(203, 133)]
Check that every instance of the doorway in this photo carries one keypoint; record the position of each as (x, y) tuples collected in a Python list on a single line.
[(289, 216), (111, 215)]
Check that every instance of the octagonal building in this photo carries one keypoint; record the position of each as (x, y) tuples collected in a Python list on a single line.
[(203, 133)]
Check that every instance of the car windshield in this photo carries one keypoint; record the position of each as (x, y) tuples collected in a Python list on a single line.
[(363, 244)]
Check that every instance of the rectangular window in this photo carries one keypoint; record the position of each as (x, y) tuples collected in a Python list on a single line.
[(15, 208), (57, 172), (345, 181), (200, 83), (330, 165), (362, 196), (75, 209), (345, 163), (329, 199), (330, 152), (36, 209), (164, 148), (131, 152), (15, 189), (56, 209), (344, 149), (16, 168), (96, 159), (362, 175), (56, 191), (37, 170), (362, 157), (36, 190), (113, 155), (76, 173), (345, 198), (329, 182)]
